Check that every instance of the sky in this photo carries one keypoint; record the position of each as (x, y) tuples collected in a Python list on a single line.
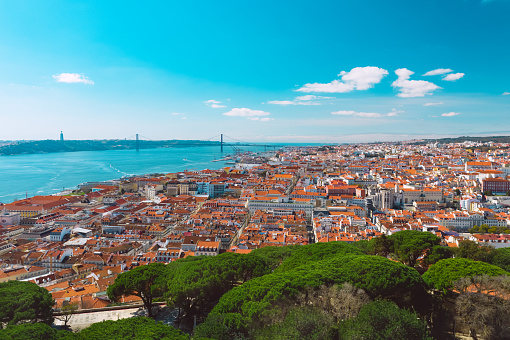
[(257, 71)]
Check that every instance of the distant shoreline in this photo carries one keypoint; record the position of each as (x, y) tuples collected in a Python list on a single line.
[(55, 146)]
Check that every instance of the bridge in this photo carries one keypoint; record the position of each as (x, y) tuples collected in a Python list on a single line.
[(224, 142)]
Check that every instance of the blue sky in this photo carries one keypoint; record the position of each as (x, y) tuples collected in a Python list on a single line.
[(301, 71)]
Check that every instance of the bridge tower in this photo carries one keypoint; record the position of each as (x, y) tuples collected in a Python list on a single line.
[(137, 143), (221, 143)]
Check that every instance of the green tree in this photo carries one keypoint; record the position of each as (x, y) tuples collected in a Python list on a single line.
[(408, 245), (437, 253), (274, 256), (24, 302), (146, 282), (501, 258), (383, 320), (137, 328), (473, 251), (196, 286), (265, 298), (444, 273), (474, 230), (316, 252), (307, 323), (28, 331), (381, 245)]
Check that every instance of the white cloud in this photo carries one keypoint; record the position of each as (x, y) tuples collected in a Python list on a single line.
[(309, 97), (72, 78), (215, 104), (266, 119), (450, 114), (394, 112), (359, 78), (301, 100), (334, 87), (433, 104), (358, 114), (282, 102), (438, 71), (453, 76), (506, 93), (176, 113), (244, 112), (412, 88)]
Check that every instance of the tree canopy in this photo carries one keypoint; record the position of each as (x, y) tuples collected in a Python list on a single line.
[(408, 245), (383, 320), (316, 252), (379, 277), (24, 302), (137, 328), (33, 331), (197, 286), (444, 273), (146, 281)]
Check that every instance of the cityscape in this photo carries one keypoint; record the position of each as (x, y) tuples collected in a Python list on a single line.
[(254, 171)]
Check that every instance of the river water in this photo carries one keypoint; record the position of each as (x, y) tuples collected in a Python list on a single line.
[(44, 174)]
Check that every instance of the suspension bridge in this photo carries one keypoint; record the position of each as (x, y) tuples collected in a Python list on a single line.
[(222, 140)]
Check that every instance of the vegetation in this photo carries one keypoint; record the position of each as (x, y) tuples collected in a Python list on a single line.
[(445, 273), (196, 286), (24, 302), (384, 320), (146, 282), (316, 252), (320, 291), (31, 331), (484, 229), (409, 245), (137, 328)]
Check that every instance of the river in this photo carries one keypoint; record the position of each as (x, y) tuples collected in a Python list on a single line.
[(44, 174)]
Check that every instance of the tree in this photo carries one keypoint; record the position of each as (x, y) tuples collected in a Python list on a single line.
[(67, 312), (307, 323), (266, 297), (24, 302), (501, 258), (443, 274), (483, 307), (316, 252), (381, 246), (33, 331), (457, 192), (137, 328), (437, 253), (473, 251), (408, 245), (381, 320), (196, 286), (146, 282)]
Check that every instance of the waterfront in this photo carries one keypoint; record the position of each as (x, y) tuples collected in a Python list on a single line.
[(43, 174)]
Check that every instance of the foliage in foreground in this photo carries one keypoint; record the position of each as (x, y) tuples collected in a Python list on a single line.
[(382, 320), (23, 302), (444, 273)]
